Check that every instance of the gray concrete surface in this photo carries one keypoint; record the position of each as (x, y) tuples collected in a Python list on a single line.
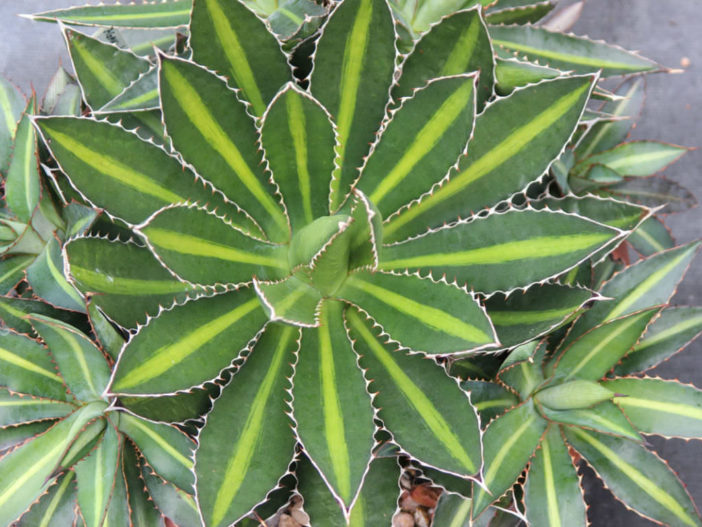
[(664, 30)]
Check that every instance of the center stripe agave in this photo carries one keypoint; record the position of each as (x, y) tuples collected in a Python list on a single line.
[(327, 292)]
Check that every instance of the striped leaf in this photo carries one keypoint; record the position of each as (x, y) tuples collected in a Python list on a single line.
[(63, 95), (618, 214), (425, 137), (295, 19), (572, 395), (201, 247), (103, 70), (515, 140), (118, 513), (57, 507), (26, 367), (11, 105), (177, 408), (509, 442), (27, 471), (173, 13), (146, 124), (354, 89), (140, 507), (189, 344), (526, 315), (247, 444), (328, 265), (172, 502), (411, 393), (647, 283), (520, 15), (116, 170), (14, 311), (671, 332), (366, 233), (12, 271), (605, 417), (489, 398), (651, 237), (552, 492), (291, 300), (654, 193), (45, 276), (657, 406), (432, 58), (16, 408), (521, 370), (419, 313), (511, 73), (453, 510), (637, 158), (22, 177), (212, 130), (568, 52), (332, 407), (108, 338), (230, 39), (81, 363), (95, 477), (123, 279), (294, 119), (141, 94), (604, 135), (596, 352), (168, 450), (637, 477), (501, 251), (12, 436)]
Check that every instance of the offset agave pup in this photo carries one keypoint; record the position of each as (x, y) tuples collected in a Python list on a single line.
[(322, 247)]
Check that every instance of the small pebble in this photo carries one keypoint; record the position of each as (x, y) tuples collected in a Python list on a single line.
[(287, 521), (404, 519), (300, 516)]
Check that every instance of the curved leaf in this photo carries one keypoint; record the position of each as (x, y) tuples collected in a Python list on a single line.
[(57, 507), (11, 105), (173, 503), (605, 417), (22, 183), (16, 408), (291, 300), (173, 13)]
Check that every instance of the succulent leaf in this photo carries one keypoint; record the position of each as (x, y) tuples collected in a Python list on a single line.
[(140, 507), (573, 395), (651, 237), (12, 271), (512, 73), (656, 192), (173, 503), (12, 106), (22, 183), (57, 507), (520, 15), (141, 94), (489, 398), (605, 417), (636, 158), (16, 408), (14, 313), (173, 13)]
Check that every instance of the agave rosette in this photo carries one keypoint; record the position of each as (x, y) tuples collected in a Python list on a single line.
[(272, 244)]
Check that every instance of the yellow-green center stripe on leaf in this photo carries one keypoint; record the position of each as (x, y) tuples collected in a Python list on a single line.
[(416, 397), (162, 443), (126, 286), (11, 358), (496, 462), (36, 466), (104, 76), (170, 355), (243, 449), (460, 56), (55, 500), (424, 314), (554, 516), (425, 140), (298, 132), (514, 318), (685, 410), (73, 344)]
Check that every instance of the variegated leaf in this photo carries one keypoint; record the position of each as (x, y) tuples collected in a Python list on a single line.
[(247, 444), (366, 233), (332, 408), (512, 73), (651, 237), (173, 13), (141, 508), (354, 89), (656, 192), (229, 38), (11, 105), (173, 503), (638, 477), (141, 94), (421, 314), (57, 507), (605, 417), (189, 344), (501, 252), (521, 370), (489, 398), (411, 393), (22, 183), (12, 271), (14, 311), (12, 436), (637, 158), (212, 130), (291, 300), (118, 512), (515, 140), (618, 214), (532, 12), (16, 408)]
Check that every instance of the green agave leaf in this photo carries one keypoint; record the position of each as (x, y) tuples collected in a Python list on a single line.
[(123, 280), (96, 475), (45, 276), (647, 283), (515, 140), (354, 89), (425, 136), (81, 363), (56, 508), (86, 441), (141, 94), (12, 103), (636, 476), (572, 395), (27, 471), (118, 512), (12, 436), (14, 311), (604, 135), (63, 95), (501, 251), (22, 183), (508, 443), (521, 371), (302, 172), (512, 73), (16, 408), (552, 492), (525, 315), (212, 130), (637, 158), (366, 233), (229, 38), (291, 300), (172, 408), (189, 344), (411, 390), (103, 70), (116, 170), (657, 406), (328, 266), (596, 352), (108, 339), (178, 506), (618, 214), (489, 398), (203, 248), (651, 237), (141, 508), (453, 510), (605, 417), (12, 271), (168, 450), (654, 192), (146, 124), (292, 16), (173, 13), (332, 407), (520, 15), (419, 313), (246, 444), (432, 58), (569, 52), (27, 368), (671, 332), (78, 219)]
